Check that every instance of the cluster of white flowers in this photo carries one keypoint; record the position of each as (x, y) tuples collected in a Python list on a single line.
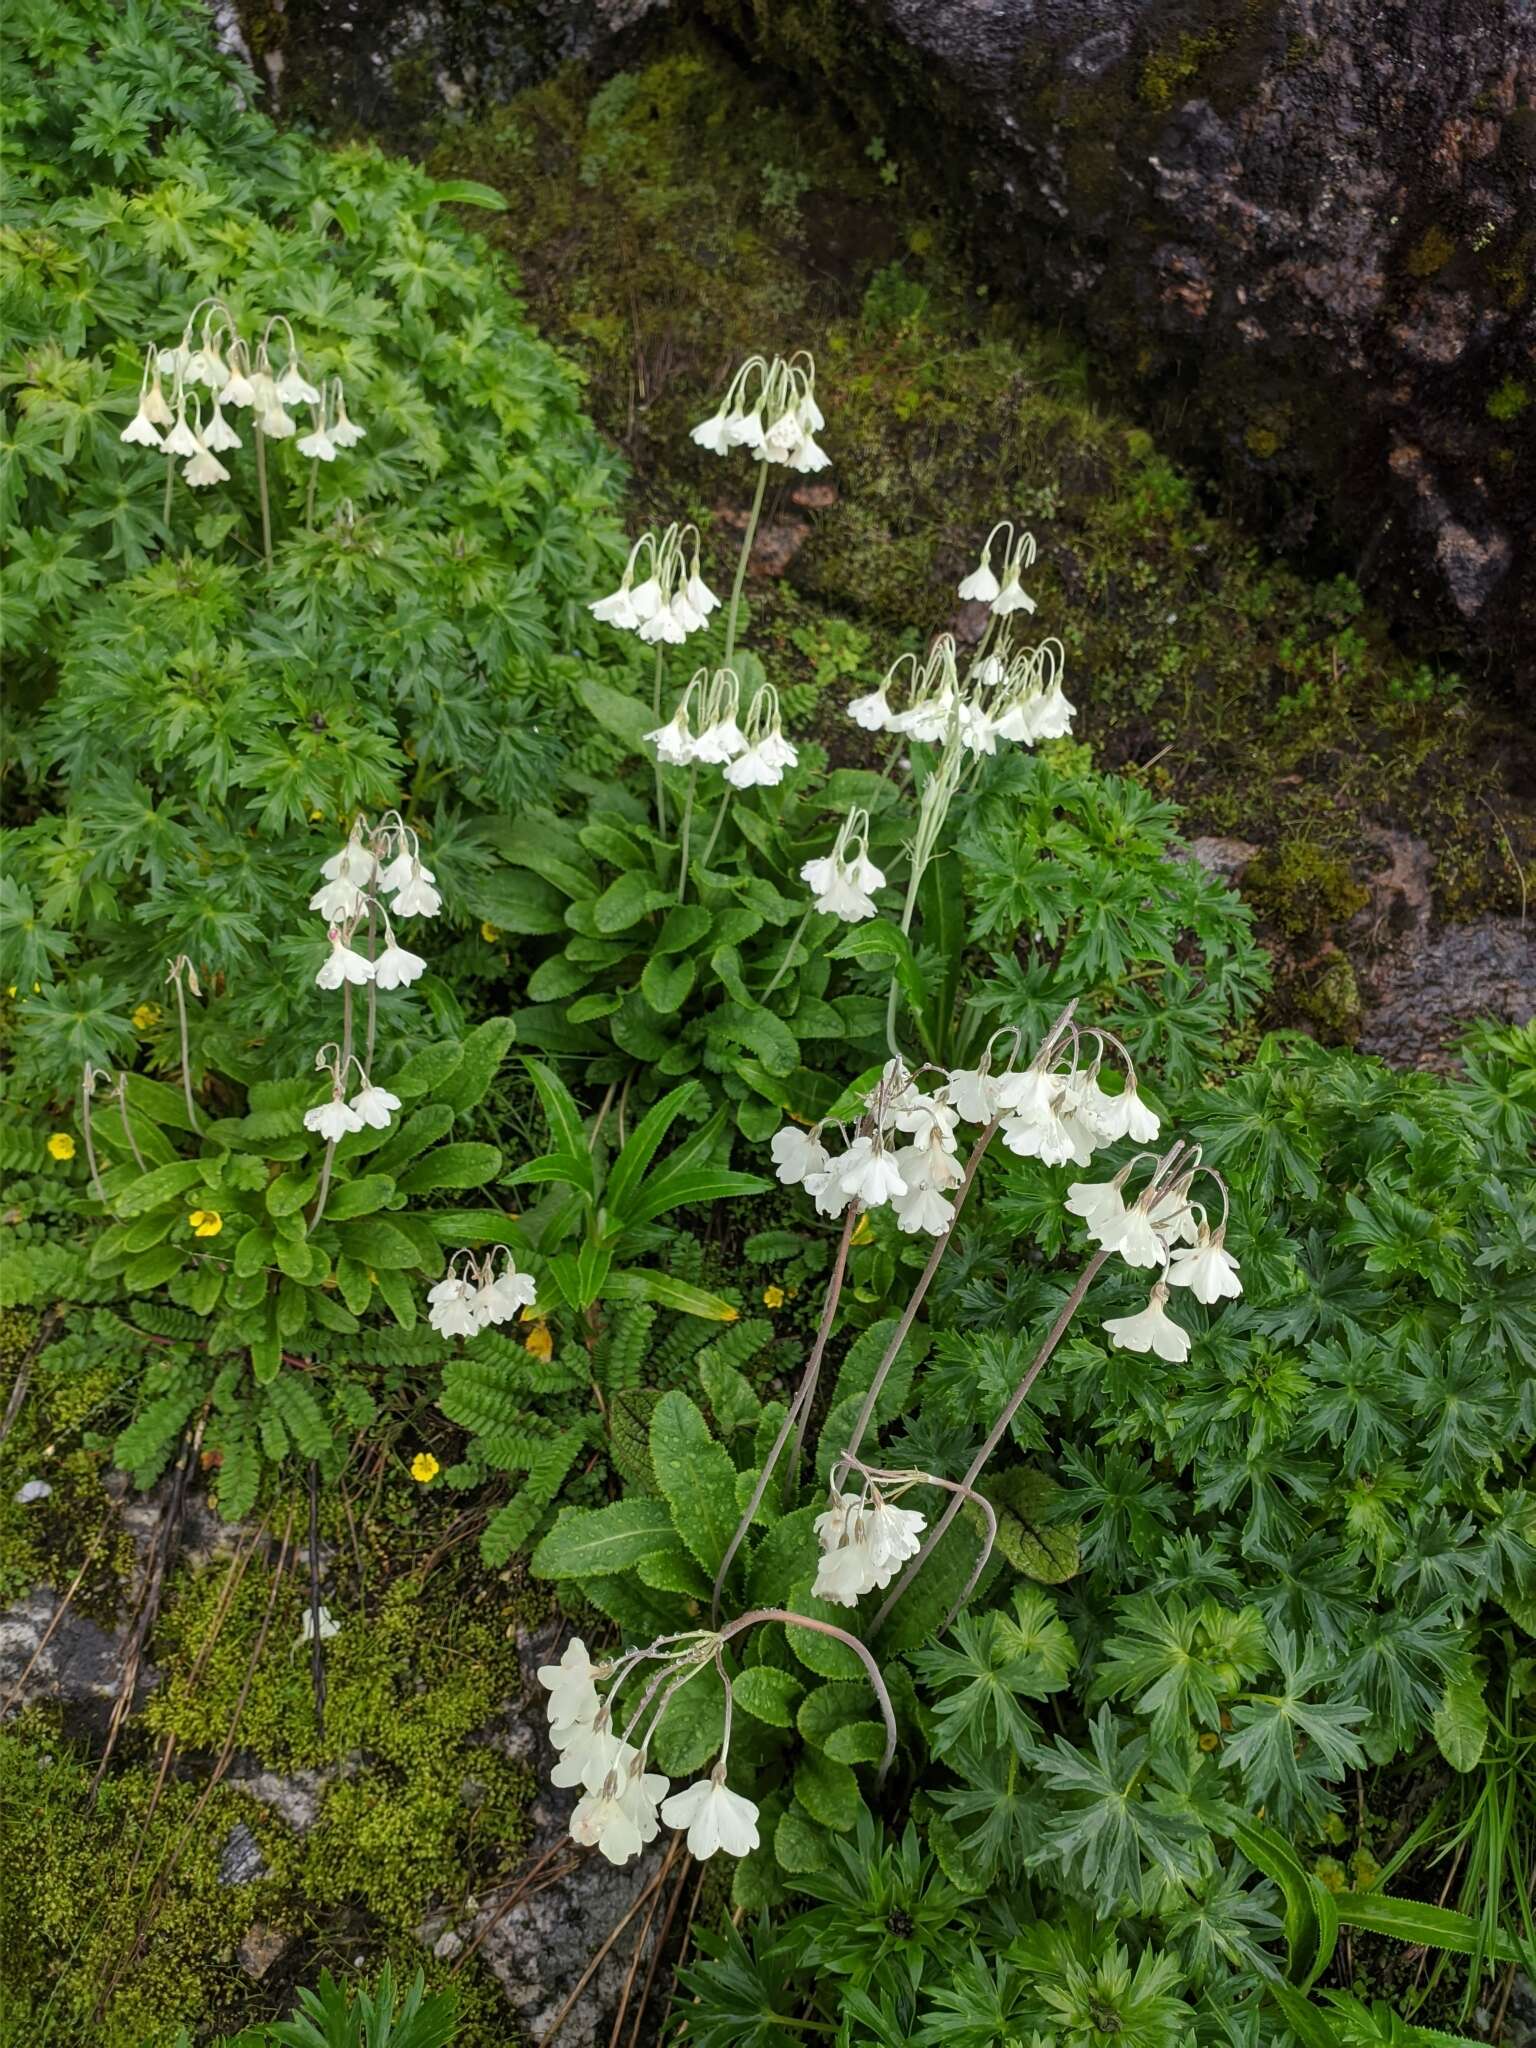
[(770, 407), (473, 1294), (1006, 594), (864, 1541), (1006, 694), (1162, 1229), (671, 600), (753, 755), (375, 874), (843, 880), (222, 365), (623, 1804), (369, 1109)]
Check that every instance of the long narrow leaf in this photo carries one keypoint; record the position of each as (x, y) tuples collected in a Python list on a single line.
[(1424, 1925), (564, 1118), (629, 1168)]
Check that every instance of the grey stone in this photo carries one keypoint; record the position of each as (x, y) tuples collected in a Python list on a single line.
[(295, 1797), (240, 1859), (260, 1947), (81, 1663)]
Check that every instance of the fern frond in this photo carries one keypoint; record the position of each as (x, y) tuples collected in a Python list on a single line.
[(547, 1462)]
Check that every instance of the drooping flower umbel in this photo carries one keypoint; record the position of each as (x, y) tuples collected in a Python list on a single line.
[(864, 1539), (474, 1294), (670, 600), (770, 408), (843, 881)]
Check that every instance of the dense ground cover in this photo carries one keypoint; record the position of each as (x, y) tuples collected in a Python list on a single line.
[(1231, 1738)]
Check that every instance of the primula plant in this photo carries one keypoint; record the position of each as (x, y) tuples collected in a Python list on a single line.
[(1031, 1478)]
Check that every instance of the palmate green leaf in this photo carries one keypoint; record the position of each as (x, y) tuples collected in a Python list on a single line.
[(1107, 1831), (981, 1677), (1176, 1662), (1286, 1742)]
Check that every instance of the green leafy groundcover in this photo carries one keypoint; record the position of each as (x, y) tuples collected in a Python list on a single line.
[(1242, 1702), (186, 733)]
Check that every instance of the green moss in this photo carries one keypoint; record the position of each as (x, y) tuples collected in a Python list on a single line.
[(1431, 252), (1508, 402), (1167, 73), (1301, 891)]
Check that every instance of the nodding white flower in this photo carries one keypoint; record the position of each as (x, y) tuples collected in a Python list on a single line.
[(698, 592), (616, 609), (674, 741), (317, 443), (1027, 1094), (766, 752), (754, 770), (318, 1621), (1034, 1127), (239, 391), (870, 1174), (923, 1207), (355, 863), (181, 440), (1207, 1269), (219, 434), (714, 433), (1101, 1205), (333, 1120), (1130, 1116), (337, 900), (152, 403), (621, 1818), (1150, 1330), (451, 1308), (981, 585), (863, 1546), (204, 468), (826, 1190), (720, 742), (277, 425), (1013, 597), (978, 733), (1053, 715), (744, 430), (573, 1700), (797, 1154), (664, 625), (344, 432), (397, 967), (141, 431), (294, 388), (873, 712), (375, 1106), (174, 362), (416, 897), (715, 1817), (509, 1292), (972, 1094), (590, 1753), (808, 457), (842, 886), (1138, 1242), (343, 965)]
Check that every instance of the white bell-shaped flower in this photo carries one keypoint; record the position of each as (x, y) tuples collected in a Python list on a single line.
[(276, 424), (1151, 1329), (375, 1106), (344, 964), (870, 1174), (451, 1308), (1101, 1205), (204, 468), (873, 712), (181, 440), (344, 432), (715, 1817), (416, 897), (317, 443), (972, 1094), (797, 1154), (981, 586), (141, 431), (714, 433), (294, 388), (1207, 1269), (509, 1292), (332, 1120), (355, 863), (573, 1700), (219, 434), (337, 900), (397, 966), (674, 741)]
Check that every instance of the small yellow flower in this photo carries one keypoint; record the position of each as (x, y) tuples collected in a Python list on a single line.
[(773, 1297), (1209, 1742), (489, 933), (315, 817), (424, 1468), (11, 990), (539, 1343), (146, 1017), (61, 1145), (206, 1222)]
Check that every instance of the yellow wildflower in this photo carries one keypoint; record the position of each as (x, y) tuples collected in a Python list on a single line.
[(489, 933), (773, 1297), (146, 1017), (539, 1343), (424, 1468), (206, 1222), (1209, 1742), (61, 1145)]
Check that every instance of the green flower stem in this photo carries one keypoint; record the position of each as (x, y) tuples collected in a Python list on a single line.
[(661, 787), (796, 1408), (682, 846), (178, 967), (309, 497), (995, 1435), (266, 502), (725, 805), (170, 485), (909, 1313), (789, 953), (841, 1635), (373, 993), (741, 564), (87, 1084)]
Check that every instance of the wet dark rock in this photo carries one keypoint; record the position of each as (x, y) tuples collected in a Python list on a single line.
[(1419, 996), (1299, 238)]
